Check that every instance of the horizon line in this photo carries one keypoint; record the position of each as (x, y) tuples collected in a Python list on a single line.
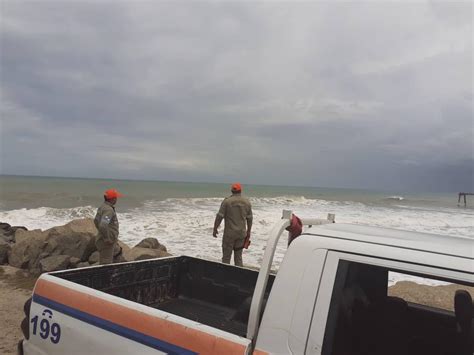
[(221, 183)]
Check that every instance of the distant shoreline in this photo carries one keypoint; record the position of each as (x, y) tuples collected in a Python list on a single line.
[(387, 191)]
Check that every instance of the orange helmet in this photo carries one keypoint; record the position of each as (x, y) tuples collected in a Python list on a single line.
[(112, 193), (236, 187)]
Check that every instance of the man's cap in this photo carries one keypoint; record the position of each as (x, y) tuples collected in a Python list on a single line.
[(236, 187), (112, 193)]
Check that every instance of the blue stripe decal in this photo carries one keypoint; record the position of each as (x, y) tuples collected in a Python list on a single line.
[(113, 327)]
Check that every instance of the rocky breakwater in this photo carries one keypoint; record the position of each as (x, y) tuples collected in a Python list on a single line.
[(7, 239), (63, 247)]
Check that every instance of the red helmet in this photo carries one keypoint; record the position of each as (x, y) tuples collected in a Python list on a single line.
[(236, 187), (112, 193)]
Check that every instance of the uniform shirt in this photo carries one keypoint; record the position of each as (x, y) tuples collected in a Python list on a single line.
[(235, 210), (106, 223)]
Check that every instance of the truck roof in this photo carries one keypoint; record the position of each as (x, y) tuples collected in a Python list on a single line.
[(462, 247)]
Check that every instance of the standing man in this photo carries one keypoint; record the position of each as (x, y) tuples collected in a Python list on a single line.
[(107, 224), (236, 211)]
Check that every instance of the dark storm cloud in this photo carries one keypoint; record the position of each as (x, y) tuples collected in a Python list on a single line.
[(337, 94)]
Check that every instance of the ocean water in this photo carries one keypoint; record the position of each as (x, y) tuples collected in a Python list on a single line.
[(181, 215)]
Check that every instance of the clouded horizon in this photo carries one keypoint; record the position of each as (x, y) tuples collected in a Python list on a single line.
[(363, 94)]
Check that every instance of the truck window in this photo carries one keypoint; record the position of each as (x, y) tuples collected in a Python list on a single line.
[(419, 290), (366, 317)]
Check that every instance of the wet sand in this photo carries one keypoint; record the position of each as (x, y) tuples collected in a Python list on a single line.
[(16, 286)]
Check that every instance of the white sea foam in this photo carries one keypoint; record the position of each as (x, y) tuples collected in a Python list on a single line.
[(184, 225), (396, 198)]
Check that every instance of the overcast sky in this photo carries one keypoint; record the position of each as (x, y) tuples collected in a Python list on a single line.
[(358, 94)]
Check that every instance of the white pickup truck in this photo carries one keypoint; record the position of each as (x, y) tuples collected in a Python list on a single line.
[(330, 296)]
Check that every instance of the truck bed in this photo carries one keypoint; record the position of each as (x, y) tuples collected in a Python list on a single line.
[(211, 293), (203, 312)]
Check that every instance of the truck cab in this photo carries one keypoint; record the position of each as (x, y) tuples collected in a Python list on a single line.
[(330, 296)]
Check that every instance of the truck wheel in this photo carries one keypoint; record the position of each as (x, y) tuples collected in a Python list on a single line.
[(26, 307), (20, 348), (25, 328)]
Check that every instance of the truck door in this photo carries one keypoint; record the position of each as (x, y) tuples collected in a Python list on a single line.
[(356, 312), (285, 323)]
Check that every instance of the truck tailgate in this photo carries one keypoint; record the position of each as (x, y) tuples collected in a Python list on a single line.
[(70, 318)]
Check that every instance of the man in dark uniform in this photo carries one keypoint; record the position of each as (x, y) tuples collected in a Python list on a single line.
[(107, 224), (236, 211)]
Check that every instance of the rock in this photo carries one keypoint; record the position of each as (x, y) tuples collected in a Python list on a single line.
[(25, 254), (151, 243), (94, 258), (21, 234), (7, 238), (5, 229), (17, 228), (117, 250), (41, 251), (53, 263), (74, 261), (4, 226), (7, 232), (118, 253), (124, 246), (43, 255), (75, 239), (120, 248), (137, 253), (4, 250)]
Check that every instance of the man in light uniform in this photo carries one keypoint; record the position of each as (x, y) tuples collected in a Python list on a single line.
[(236, 211), (107, 224)]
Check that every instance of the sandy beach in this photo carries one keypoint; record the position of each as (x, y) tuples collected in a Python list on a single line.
[(16, 286), (434, 296)]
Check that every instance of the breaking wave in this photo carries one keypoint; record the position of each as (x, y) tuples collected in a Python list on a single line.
[(395, 198), (185, 225)]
